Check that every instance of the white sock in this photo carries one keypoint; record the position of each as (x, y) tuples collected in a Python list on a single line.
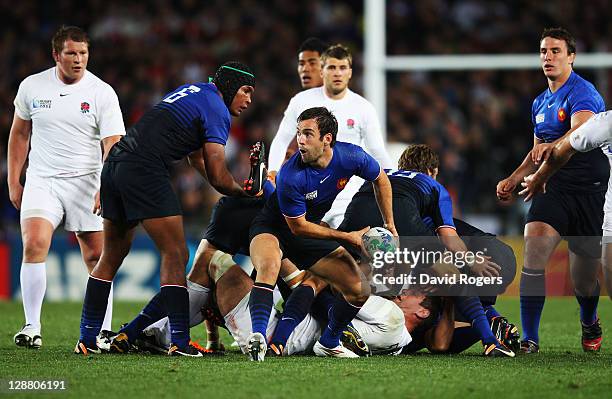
[(33, 278), (108, 316), (198, 297)]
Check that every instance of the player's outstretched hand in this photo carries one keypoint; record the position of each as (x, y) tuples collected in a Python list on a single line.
[(541, 152), (253, 185), (15, 195), (533, 185), (505, 188), (354, 238), (485, 267)]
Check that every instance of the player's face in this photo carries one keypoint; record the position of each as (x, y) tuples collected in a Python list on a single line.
[(309, 142), (336, 75), (72, 61), (309, 69), (555, 60), (241, 100), (411, 307)]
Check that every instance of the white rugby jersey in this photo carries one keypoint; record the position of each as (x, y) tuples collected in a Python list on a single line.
[(383, 326), (357, 124), (594, 133), (68, 122)]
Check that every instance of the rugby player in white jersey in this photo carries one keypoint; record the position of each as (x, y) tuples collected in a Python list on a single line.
[(357, 122), (594, 133), (63, 114)]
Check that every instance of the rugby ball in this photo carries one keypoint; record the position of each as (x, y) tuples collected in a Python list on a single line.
[(378, 239)]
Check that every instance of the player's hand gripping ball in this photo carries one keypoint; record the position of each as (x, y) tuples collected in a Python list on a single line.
[(378, 239)]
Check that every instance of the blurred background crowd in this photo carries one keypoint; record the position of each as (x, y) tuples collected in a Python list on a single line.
[(479, 122)]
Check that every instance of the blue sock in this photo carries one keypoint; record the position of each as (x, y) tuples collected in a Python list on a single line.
[(588, 307), (490, 312), (533, 294), (471, 308), (340, 316), (152, 312), (322, 305), (296, 308), (175, 300), (463, 338), (260, 306), (94, 309)]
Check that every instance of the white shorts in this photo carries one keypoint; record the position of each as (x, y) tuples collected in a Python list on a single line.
[(381, 325), (69, 198), (301, 340)]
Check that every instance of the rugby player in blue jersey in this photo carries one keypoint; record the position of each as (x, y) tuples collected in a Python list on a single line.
[(193, 120), (288, 227), (572, 206)]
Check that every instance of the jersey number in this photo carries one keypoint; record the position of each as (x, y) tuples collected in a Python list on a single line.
[(181, 93)]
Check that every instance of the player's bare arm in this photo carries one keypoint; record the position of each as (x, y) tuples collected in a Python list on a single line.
[(483, 266), (18, 143), (384, 199), (196, 160), (439, 337), (218, 175), (108, 143), (506, 186), (303, 228)]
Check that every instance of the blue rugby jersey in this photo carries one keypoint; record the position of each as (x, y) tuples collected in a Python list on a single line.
[(551, 115), (179, 124), (430, 197), (304, 190)]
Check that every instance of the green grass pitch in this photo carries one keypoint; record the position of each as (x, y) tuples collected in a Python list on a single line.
[(560, 370)]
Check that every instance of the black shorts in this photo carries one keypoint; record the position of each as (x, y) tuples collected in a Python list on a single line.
[(576, 217), (230, 221), (134, 191), (304, 252)]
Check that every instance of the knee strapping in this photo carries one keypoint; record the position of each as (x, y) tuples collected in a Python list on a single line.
[(220, 262)]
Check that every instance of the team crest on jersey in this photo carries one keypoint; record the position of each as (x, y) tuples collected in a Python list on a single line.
[(561, 115), (350, 123), (84, 107), (341, 183), (311, 195), (41, 104)]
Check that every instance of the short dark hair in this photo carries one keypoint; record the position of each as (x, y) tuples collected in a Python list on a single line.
[(326, 121), (313, 44), (420, 158), (64, 33), (561, 34), (339, 52)]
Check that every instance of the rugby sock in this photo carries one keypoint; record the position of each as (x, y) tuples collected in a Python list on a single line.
[(463, 338), (532, 292), (108, 316), (296, 308), (260, 306), (94, 308), (322, 305), (588, 307), (152, 312), (340, 316), (176, 301), (471, 308), (33, 278), (198, 298), (490, 312)]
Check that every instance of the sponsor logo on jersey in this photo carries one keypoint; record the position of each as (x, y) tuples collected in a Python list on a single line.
[(539, 118), (84, 107), (312, 195), (350, 123), (41, 104), (341, 183), (561, 115)]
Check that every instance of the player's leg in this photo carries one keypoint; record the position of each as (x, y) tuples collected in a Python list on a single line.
[(584, 271), (541, 239), (266, 257), (168, 235), (36, 236), (117, 241), (339, 269)]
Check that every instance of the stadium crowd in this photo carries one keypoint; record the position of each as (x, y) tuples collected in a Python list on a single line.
[(478, 121)]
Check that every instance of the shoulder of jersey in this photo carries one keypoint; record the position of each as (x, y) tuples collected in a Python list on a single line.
[(315, 92), (47, 74)]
